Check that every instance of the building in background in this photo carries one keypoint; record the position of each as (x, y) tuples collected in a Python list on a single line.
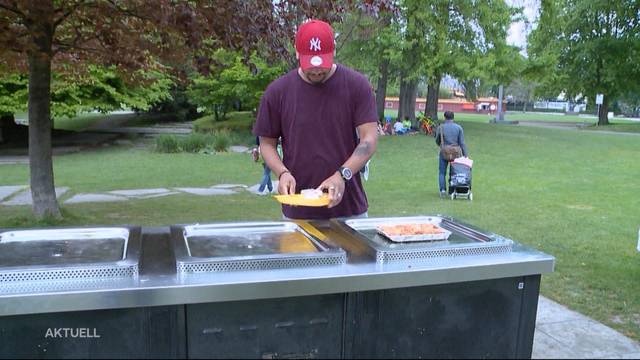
[(480, 106)]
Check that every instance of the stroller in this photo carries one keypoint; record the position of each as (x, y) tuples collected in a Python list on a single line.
[(460, 178)]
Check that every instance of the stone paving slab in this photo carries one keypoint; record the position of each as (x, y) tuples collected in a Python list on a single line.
[(7, 191), (206, 191), (14, 160), (24, 197), (156, 195), (228, 186), (238, 149), (589, 339), (84, 198), (254, 188), (546, 347), (551, 312), (140, 192)]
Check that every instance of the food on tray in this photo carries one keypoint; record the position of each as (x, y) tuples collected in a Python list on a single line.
[(410, 229), (311, 193)]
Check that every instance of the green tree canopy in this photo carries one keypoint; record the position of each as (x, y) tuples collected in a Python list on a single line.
[(588, 47), (99, 88), (230, 80), (462, 38)]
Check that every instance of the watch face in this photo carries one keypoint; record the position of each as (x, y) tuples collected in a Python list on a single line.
[(347, 174)]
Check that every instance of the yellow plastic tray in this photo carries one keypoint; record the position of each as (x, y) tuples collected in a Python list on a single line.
[(300, 200)]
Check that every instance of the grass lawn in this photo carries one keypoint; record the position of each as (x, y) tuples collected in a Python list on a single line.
[(237, 121), (617, 125), (86, 120), (572, 194)]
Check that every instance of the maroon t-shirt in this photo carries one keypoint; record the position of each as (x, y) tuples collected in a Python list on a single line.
[(317, 124)]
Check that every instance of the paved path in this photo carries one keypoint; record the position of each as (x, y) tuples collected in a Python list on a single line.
[(560, 332), (565, 334), (15, 195), (571, 126)]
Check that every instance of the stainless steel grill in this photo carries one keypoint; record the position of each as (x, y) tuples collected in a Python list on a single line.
[(251, 246), (464, 240), (68, 254)]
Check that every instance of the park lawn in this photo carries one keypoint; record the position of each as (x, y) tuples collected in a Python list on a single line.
[(86, 120), (619, 125), (77, 123), (571, 194), (235, 121)]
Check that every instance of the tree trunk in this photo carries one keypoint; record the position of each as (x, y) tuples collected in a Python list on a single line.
[(381, 91), (43, 192), (433, 89), (402, 98), (412, 93), (603, 118), (407, 108)]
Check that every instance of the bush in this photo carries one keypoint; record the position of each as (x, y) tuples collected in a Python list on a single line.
[(222, 140), (167, 144), (236, 121), (195, 142)]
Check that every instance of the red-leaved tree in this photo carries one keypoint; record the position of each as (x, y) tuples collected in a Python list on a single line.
[(38, 36), (65, 36)]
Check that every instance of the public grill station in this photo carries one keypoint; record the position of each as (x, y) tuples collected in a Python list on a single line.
[(271, 289)]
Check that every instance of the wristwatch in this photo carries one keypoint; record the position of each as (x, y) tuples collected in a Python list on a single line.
[(346, 173)]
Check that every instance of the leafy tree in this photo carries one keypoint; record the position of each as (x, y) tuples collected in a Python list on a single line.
[(68, 36), (230, 81), (453, 37), (374, 45), (99, 89), (588, 47)]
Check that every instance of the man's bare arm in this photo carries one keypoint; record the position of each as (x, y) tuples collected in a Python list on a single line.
[(366, 148)]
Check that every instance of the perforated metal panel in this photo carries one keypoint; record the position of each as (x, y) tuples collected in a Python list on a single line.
[(384, 256), (43, 286), (70, 274), (260, 264)]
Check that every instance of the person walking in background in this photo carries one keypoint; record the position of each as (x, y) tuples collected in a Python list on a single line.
[(452, 134), (265, 183)]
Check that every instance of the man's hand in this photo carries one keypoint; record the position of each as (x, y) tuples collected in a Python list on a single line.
[(286, 184), (335, 186)]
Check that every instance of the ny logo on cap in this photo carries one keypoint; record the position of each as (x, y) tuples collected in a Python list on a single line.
[(315, 44)]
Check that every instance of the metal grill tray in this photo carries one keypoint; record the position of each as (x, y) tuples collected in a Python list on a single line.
[(64, 254), (464, 240), (251, 246)]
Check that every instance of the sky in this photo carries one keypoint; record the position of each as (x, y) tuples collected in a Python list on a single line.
[(519, 30)]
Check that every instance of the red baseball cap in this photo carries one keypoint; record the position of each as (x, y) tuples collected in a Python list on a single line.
[(315, 44)]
